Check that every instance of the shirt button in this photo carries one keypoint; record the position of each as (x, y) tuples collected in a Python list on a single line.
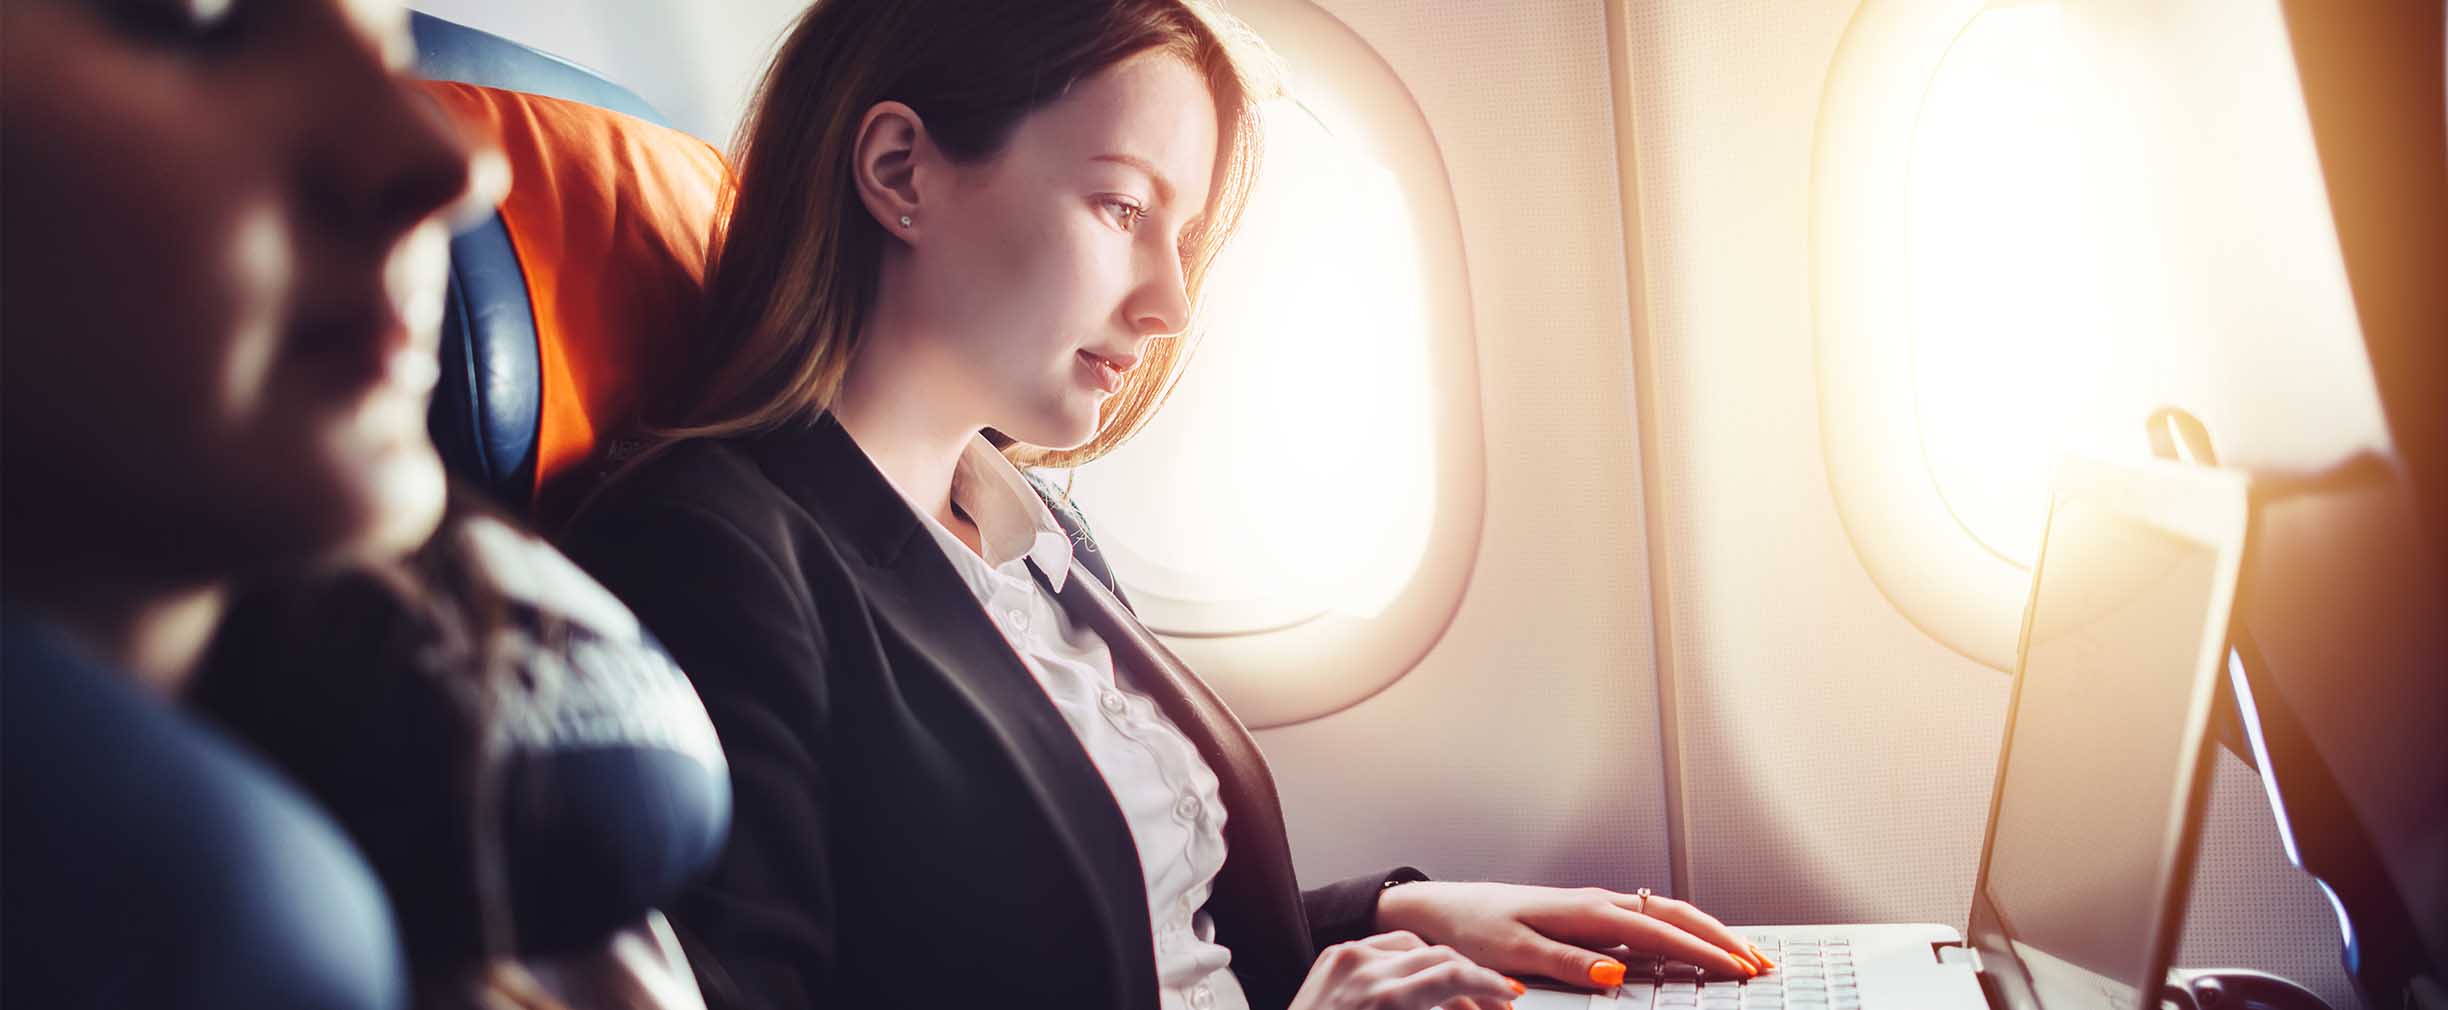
[(1018, 617), (1186, 808), (1110, 701), (1202, 998)]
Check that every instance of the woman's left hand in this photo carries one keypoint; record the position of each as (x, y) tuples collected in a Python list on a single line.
[(1561, 932)]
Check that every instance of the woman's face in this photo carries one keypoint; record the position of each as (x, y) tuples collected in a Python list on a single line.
[(1047, 269), (223, 259)]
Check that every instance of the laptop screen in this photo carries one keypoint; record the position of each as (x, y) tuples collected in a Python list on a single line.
[(2096, 790)]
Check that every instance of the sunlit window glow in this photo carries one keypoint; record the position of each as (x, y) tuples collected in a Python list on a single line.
[(2008, 336), (1292, 473)]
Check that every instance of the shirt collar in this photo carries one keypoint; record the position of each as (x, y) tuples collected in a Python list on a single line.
[(1012, 521)]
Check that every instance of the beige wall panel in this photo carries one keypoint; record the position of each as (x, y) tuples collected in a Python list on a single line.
[(1837, 761), (1525, 746)]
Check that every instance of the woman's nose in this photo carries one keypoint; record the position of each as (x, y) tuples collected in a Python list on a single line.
[(1163, 304), (395, 159)]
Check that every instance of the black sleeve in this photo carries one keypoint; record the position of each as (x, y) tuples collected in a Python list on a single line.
[(1347, 909), (759, 931)]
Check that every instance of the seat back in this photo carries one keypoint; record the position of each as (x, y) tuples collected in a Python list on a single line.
[(559, 301)]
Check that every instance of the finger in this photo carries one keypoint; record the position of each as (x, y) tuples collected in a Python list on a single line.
[(1449, 979), (1400, 939), (1658, 936), (1643, 934), (1351, 957), (1511, 983), (1411, 962), (1690, 919)]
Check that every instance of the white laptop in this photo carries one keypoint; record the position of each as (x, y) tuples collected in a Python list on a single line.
[(2087, 859)]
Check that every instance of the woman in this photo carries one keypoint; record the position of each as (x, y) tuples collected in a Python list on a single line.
[(222, 255), (223, 249), (961, 770)]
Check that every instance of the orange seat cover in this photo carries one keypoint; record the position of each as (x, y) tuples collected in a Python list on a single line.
[(610, 216)]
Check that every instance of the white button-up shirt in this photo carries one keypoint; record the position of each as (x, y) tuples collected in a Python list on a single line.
[(1165, 789)]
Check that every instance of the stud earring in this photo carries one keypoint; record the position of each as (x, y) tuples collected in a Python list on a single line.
[(905, 221)]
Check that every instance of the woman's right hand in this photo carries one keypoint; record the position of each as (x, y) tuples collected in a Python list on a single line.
[(1397, 971)]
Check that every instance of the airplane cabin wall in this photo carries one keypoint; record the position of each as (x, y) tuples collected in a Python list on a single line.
[(1835, 761), (1525, 746)]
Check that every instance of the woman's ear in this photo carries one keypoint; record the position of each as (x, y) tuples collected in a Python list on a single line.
[(884, 165)]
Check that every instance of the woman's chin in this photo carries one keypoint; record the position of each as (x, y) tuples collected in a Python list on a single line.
[(412, 492), (398, 502), (1073, 426)]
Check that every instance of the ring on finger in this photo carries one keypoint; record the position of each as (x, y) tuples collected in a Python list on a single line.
[(1643, 895)]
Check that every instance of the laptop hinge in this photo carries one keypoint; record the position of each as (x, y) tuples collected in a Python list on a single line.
[(1952, 954)]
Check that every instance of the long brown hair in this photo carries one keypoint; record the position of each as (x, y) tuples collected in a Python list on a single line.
[(795, 261)]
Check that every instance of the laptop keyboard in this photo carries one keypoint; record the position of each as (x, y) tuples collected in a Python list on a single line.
[(1810, 974)]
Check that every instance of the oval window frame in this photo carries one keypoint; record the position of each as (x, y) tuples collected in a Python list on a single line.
[(1934, 571), (1299, 670)]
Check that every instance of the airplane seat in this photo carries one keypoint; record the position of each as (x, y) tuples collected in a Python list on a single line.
[(583, 281)]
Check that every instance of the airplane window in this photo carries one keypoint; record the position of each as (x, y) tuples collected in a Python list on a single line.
[(2006, 331), (1289, 474), (1300, 518), (2032, 223), (1934, 248)]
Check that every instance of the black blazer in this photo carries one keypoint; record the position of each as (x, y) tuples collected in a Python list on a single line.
[(915, 824)]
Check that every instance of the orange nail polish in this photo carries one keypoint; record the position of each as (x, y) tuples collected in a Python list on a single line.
[(1607, 971), (1518, 988), (1764, 963)]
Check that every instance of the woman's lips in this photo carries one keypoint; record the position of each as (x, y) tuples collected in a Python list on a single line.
[(1101, 373)]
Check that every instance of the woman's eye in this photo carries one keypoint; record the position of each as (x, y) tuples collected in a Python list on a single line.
[(1125, 213)]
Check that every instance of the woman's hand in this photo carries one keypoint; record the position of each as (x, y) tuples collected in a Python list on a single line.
[(1562, 933), (1397, 971)]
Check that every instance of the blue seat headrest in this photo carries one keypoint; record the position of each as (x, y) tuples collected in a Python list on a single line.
[(488, 405)]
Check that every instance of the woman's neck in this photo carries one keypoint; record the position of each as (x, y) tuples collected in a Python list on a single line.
[(156, 633), (901, 410)]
